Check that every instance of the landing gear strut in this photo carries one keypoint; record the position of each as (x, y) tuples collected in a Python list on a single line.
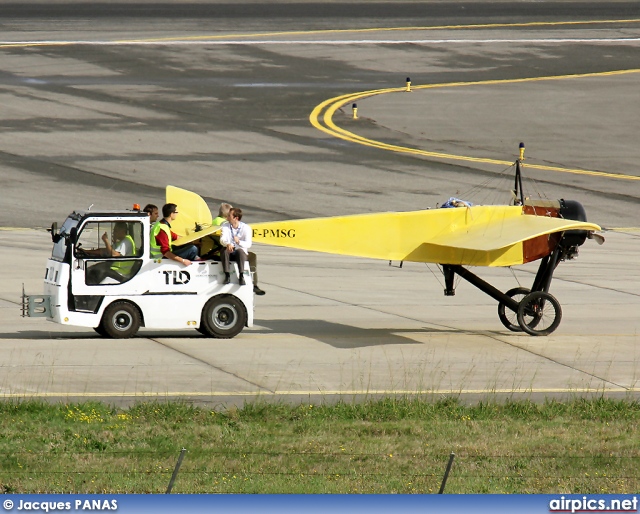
[(533, 311)]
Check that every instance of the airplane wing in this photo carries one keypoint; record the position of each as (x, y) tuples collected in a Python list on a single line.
[(486, 235), (474, 236), (497, 243), (192, 209)]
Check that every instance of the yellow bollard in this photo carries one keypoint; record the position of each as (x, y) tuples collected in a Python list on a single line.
[(408, 90), (354, 107), (522, 151)]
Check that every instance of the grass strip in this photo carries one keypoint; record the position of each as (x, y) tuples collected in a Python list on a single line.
[(583, 446)]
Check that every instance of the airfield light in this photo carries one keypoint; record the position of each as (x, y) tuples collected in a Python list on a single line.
[(522, 151), (354, 107), (408, 85)]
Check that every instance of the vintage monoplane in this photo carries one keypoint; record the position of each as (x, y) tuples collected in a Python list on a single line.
[(454, 238)]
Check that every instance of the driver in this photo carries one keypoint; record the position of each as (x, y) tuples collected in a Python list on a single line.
[(123, 246)]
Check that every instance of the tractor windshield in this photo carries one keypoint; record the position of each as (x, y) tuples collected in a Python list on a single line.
[(60, 243)]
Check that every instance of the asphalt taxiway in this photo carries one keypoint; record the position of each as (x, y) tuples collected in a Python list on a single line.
[(106, 108)]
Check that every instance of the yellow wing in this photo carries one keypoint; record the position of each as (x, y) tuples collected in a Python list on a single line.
[(474, 236), (192, 209)]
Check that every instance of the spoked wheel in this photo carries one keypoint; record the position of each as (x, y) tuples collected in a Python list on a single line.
[(508, 317), (121, 320), (223, 317), (539, 313)]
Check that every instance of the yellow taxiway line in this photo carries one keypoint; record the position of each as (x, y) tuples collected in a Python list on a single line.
[(396, 29), (201, 394), (327, 109), (222, 37)]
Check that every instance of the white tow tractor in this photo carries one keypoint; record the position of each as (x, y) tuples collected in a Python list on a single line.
[(83, 286)]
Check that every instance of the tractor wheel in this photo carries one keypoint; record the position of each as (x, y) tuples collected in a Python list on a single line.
[(121, 320), (223, 317)]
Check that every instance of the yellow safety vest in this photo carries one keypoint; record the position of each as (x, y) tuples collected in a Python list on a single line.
[(124, 267), (155, 247)]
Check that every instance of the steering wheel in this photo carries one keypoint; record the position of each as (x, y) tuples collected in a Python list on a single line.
[(81, 252)]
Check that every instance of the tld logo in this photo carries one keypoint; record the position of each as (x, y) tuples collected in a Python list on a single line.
[(176, 277)]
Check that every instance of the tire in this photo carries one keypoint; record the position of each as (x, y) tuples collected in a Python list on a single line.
[(508, 317), (100, 330), (223, 317), (539, 314), (121, 320)]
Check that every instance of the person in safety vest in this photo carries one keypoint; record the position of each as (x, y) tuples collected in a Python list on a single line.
[(152, 211), (223, 214), (211, 248), (162, 239), (123, 246)]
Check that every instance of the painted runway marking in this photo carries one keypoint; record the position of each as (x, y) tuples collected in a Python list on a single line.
[(237, 39), (327, 109), (418, 28), (345, 42), (368, 392)]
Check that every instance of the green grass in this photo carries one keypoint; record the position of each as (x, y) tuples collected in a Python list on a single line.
[(387, 446)]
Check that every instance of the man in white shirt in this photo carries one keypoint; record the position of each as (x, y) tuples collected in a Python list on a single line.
[(236, 238), (123, 246), (223, 217)]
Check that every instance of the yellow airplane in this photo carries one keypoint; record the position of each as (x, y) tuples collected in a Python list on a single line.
[(464, 235)]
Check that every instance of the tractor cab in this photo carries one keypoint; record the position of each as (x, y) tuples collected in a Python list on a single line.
[(101, 275)]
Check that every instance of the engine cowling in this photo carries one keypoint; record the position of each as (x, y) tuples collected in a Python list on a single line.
[(572, 210)]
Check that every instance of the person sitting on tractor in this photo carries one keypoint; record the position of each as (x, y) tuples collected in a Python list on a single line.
[(162, 238)]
